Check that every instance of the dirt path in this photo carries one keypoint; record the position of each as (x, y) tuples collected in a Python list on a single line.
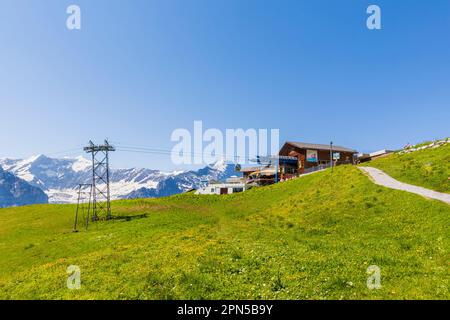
[(381, 178)]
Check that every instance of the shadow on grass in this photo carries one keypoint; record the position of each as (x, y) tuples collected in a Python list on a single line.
[(130, 218)]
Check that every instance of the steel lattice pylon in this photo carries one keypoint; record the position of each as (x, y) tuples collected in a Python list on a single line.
[(83, 205), (101, 199)]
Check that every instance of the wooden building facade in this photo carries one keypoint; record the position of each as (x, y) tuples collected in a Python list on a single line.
[(311, 156), (294, 159)]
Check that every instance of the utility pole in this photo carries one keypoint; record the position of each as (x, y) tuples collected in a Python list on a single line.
[(101, 198), (81, 205), (331, 155), (277, 162)]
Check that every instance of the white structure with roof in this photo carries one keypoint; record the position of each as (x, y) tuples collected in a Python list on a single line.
[(232, 185)]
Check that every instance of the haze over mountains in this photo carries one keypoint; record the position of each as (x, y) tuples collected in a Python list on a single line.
[(17, 192), (59, 178)]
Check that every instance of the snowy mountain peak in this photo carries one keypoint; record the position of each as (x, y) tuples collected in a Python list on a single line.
[(81, 164), (219, 165), (34, 158)]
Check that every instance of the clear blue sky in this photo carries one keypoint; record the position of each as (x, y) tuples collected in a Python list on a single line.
[(137, 70)]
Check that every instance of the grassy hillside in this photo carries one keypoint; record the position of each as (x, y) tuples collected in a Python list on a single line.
[(311, 238), (429, 168)]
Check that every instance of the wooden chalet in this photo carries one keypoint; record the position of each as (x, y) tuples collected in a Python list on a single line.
[(315, 156), (296, 158)]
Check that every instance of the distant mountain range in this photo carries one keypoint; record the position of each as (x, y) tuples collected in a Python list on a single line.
[(59, 178), (17, 192)]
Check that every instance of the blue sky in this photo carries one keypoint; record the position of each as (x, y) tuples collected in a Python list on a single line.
[(137, 70)]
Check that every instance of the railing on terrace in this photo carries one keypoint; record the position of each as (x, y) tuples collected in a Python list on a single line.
[(262, 180)]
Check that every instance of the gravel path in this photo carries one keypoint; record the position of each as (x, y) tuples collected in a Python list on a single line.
[(383, 179)]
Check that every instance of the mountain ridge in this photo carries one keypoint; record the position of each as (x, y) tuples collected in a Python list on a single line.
[(60, 177), (17, 192)]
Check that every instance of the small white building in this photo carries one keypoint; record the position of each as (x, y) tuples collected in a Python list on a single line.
[(363, 157), (380, 153), (232, 185)]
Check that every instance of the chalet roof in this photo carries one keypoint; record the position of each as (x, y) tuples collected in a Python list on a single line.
[(315, 146), (264, 172), (249, 169)]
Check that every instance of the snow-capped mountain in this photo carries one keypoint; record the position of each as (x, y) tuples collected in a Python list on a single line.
[(17, 192), (185, 181), (59, 178)]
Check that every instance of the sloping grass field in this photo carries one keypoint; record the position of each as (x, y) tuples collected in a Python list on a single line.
[(428, 168), (309, 238)]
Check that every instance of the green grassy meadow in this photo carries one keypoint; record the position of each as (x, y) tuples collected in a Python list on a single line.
[(309, 238), (429, 168)]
